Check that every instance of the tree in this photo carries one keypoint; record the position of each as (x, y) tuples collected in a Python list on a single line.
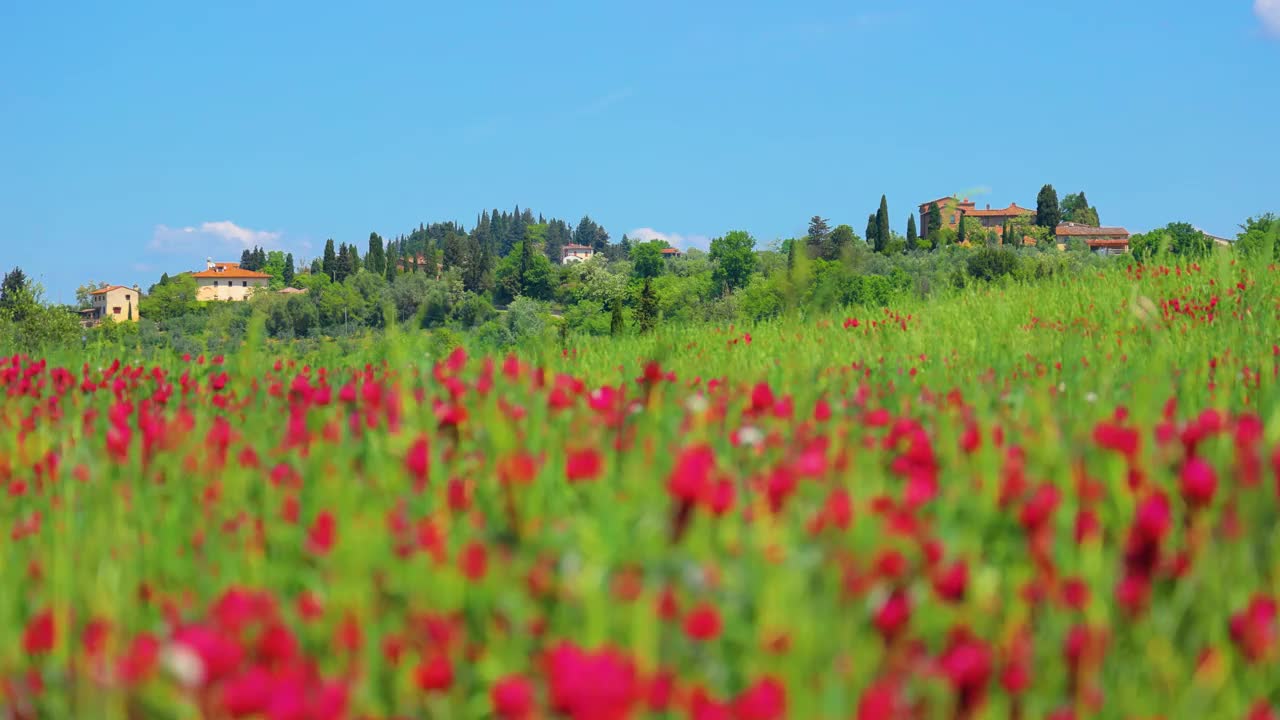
[(933, 221), (477, 265), (911, 231), (18, 298), (646, 259), (962, 233), (1048, 214), (172, 299), (817, 237), (375, 260), (1179, 239), (84, 293), (287, 274), (615, 317), (328, 266), (456, 246), (647, 308), (734, 258), (872, 227), (1076, 209), (589, 233), (1260, 237), (246, 259), (840, 240), (393, 261), (883, 234)]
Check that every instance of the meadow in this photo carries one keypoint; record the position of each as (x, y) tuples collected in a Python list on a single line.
[(1044, 500)]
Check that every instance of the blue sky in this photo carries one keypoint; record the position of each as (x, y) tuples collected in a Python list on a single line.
[(137, 138)]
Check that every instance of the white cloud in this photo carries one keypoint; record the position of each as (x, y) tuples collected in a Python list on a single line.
[(684, 242), (1268, 11), (222, 235)]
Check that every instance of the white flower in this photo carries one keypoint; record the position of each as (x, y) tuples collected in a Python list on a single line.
[(696, 404), (750, 435), (185, 665), (1091, 397)]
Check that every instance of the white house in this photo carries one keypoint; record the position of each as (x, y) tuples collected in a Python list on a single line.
[(576, 253), (227, 281)]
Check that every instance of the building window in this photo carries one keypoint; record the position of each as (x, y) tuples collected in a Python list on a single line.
[(244, 283), (126, 297), (116, 310), (953, 218), (215, 283)]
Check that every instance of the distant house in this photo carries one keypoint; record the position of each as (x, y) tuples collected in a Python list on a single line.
[(114, 302), (953, 209), (572, 253), (293, 291), (670, 252), (1107, 240), (227, 281)]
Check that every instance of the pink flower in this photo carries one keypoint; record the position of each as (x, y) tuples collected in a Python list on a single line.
[(512, 698), (1199, 482)]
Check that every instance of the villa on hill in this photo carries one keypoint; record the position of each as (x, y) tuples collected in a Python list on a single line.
[(1104, 240), (117, 302), (953, 209), (573, 253), (227, 281)]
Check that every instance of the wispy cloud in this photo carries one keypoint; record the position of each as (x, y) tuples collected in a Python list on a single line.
[(1268, 12), (221, 235), (678, 240), (604, 102)]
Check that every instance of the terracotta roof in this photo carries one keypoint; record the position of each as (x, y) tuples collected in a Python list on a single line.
[(572, 246), (1012, 211), (944, 201), (1075, 230), (231, 271), (670, 251), (109, 288)]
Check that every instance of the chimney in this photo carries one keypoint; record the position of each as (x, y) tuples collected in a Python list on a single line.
[(988, 206), (208, 263)]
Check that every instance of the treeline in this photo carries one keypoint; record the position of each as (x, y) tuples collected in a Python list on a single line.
[(503, 279)]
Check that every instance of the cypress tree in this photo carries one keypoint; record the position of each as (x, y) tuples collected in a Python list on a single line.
[(1048, 213), (288, 273), (872, 226), (933, 221), (259, 259), (375, 260), (960, 234), (911, 232), (647, 309), (615, 320), (526, 259), (246, 259), (791, 256), (883, 235), (393, 260), (328, 265)]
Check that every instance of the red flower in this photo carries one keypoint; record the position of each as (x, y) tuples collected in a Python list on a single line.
[(950, 584), (894, 615), (702, 623), (766, 699), (40, 635), (474, 561), (1254, 630), (1199, 482), (599, 685), (418, 462), (967, 665), (434, 674), (583, 465), (691, 475), (512, 698), (322, 534)]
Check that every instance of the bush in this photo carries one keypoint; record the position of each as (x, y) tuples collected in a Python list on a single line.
[(991, 263)]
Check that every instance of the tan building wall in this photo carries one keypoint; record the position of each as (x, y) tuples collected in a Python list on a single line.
[(118, 303), (228, 289)]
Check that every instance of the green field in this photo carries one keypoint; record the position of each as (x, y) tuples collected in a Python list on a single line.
[(1046, 499)]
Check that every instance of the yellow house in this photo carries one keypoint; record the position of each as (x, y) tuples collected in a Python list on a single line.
[(227, 281), (116, 302)]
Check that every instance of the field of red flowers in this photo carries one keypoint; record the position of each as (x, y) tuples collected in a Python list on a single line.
[(1056, 501)]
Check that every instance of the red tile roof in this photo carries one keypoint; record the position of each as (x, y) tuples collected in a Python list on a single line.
[(109, 288), (231, 270), (1088, 231), (670, 251), (572, 246), (944, 201), (1012, 211)]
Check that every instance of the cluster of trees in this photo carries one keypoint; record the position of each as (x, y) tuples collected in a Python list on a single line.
[(503, 280)]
